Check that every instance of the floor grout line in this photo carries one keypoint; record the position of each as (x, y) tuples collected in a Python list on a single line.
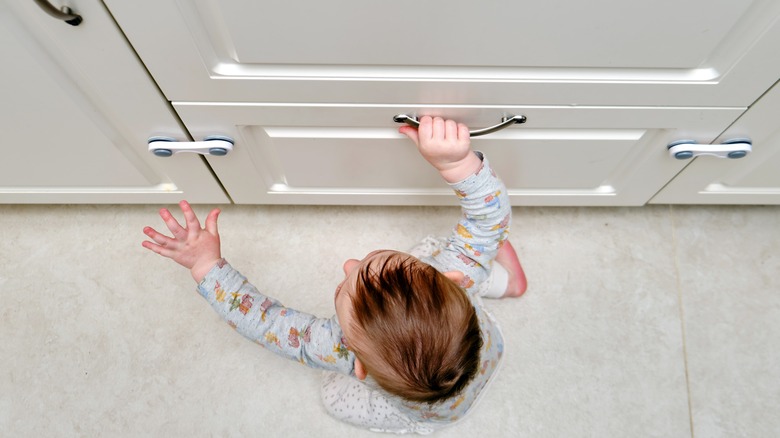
[(675, 249)]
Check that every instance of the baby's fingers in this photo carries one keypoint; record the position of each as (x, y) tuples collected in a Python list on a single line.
[(172, 224), (158, 238), (450, 130), (189, 216), (425, 131), (439, 128), (162, 243), (211, 222), (165, 252), (463, 132), (410, 132)]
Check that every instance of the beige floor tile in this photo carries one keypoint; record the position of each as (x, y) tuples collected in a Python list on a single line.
[(729, 260), (101, 337), (597, 347)]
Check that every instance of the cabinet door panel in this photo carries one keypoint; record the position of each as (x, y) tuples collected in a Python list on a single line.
[(353, 154), (605, 52), (77, 109), (751, 180)]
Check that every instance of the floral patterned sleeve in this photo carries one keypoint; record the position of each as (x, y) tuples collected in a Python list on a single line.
[(482, 229), (312, 341)]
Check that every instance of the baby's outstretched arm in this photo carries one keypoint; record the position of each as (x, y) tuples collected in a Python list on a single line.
[(193, 247), (316, 342), (446, 145)]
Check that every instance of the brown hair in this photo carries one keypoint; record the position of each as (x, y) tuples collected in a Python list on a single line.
[(417, 333)]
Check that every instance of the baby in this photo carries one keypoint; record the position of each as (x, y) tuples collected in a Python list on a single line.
[(411, 347)]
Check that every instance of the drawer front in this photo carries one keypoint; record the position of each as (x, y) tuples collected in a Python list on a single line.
[(607, 52), (353, 154)]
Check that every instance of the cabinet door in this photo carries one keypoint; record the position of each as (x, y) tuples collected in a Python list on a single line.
[(751, 180), (497, 52), (353, 154), (77, 108)]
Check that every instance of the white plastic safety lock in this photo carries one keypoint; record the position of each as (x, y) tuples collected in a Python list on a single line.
[(216, 145), (734, 148)]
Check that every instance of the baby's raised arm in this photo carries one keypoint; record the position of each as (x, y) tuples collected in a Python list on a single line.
[(487, 215), (445, 144)]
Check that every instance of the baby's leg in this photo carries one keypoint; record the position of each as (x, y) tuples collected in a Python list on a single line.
[(353, 402), (516, 283)]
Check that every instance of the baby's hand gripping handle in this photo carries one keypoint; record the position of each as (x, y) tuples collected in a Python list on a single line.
[(505, 122)]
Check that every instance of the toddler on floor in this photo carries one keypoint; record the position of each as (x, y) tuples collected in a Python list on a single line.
[(411, 347)]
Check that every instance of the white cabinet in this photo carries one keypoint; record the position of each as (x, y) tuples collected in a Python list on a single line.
[(751, 180), (77, 108), (309, 90)]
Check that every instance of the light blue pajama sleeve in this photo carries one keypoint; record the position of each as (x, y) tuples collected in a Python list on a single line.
[(482, 229), (312, 341)]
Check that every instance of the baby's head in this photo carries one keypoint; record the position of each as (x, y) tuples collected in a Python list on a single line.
[(411, 327)]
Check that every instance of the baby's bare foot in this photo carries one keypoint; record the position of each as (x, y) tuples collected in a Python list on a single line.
[(507, 257)]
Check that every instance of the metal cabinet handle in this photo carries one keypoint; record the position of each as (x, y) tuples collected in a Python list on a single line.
[(64, 13), (505, 122)]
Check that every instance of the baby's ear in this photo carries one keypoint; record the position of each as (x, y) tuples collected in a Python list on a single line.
[(360, 371), (456, 276)]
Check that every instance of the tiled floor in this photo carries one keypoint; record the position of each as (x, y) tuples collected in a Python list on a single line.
[(656, 321)]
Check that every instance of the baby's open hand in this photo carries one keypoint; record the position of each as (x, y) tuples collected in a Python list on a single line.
[(193, 247), (445, 144)]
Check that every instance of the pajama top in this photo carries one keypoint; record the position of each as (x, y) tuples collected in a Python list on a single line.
[(319, 342)]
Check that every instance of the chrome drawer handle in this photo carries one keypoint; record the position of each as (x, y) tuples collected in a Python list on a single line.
[(65, 13), (505, 123)]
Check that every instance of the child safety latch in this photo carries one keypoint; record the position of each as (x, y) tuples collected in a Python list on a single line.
[(216, 145), (734, 148)]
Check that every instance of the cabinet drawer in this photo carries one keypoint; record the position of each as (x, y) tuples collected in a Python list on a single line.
[(353, 154), (609, 52)]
